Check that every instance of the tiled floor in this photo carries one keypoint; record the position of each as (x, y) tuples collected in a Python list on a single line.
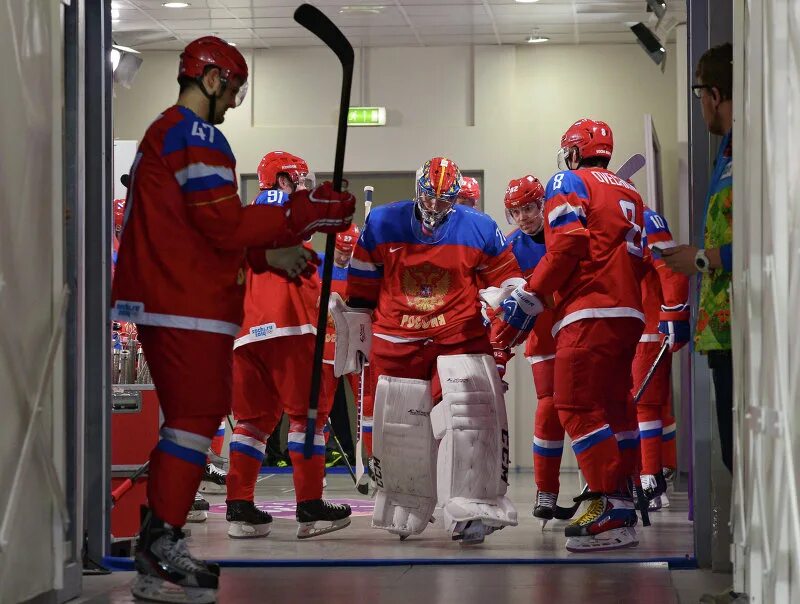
[(430, 568)]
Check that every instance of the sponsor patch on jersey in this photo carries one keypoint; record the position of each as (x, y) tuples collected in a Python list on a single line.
[(262, 332), (132, 311)]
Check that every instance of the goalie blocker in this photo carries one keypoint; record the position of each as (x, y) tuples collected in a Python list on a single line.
[(470, 462)]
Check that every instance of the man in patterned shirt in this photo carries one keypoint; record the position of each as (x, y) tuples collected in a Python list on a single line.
[(713, 330)]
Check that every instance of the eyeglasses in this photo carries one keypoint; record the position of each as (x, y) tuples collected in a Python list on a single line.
[(698, 87)]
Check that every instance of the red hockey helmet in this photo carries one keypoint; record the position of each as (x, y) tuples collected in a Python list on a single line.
[(346, 240), (524, 201), (212, 51), (119, 215), (584, 139), (281, 162), (470, 189)]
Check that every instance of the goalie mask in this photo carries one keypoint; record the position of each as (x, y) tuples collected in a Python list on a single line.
[(584, 139), (524, 201), (438, 183)]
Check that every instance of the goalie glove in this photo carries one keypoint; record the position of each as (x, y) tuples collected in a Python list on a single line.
[(673, 322), (514, 318)]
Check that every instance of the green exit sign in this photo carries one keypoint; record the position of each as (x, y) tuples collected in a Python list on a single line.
[(366, 116)]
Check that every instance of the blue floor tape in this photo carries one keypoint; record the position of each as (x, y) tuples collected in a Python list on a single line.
[(675, 563)]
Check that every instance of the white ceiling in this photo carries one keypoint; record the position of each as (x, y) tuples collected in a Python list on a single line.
[(147, 25)]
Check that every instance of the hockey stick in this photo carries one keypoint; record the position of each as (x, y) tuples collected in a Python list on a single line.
[(362, 488), (128, 483), (318, 24), (341, 452), (651, 372), (634, 163)]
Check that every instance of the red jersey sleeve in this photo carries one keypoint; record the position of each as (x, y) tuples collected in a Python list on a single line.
[(674, 286), (499, 264)]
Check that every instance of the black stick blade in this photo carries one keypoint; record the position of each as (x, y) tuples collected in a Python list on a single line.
[(315, 21)]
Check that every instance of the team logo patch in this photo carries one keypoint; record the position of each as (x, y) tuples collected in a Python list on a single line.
[(425, 286)]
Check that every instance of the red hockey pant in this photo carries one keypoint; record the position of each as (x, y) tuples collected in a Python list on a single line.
[(270, 377), (592, 379), (548, 433), (192, 373), (654, 410)]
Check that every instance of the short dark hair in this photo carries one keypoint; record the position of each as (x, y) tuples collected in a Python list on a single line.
[(595, 162), (715, 68)]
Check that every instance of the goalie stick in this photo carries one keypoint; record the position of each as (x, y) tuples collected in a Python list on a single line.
[(362, 487), (318, 24)]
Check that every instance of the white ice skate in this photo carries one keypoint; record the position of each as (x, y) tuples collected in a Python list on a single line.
[(609, 540)]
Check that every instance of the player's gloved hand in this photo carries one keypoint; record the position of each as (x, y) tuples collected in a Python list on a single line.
[(322, 210), (673, 322), (292, 261), (514, 318)]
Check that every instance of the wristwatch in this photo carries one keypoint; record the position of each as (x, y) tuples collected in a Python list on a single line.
[(701, 261)]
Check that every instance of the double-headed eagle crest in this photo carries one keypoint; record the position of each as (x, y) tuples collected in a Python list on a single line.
[(425, 286)]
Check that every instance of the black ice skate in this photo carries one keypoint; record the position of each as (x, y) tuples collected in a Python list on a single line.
[(166, 572), (214, 480), (199, 511), (545, 506), (318, 517), (246, 520)]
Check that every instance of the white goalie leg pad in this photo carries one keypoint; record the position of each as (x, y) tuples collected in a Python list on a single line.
[(353, 336), (404, 456), (474, 450)]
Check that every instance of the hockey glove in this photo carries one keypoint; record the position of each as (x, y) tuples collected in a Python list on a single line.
[(673, 322), (322, 210), (514, 318), (291, 261)]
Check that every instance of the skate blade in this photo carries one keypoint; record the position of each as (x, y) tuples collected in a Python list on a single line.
[(154, 589), (212, 487), (664, 501), (307, 530), (197, 516), (242, 530), (610, 540)]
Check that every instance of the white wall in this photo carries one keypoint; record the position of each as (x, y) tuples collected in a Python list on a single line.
[(500, 109), (32, 537)]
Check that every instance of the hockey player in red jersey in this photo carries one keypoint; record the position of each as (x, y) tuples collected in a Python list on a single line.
[(664, 297), (419, 264), (593, 233), (180, 277), (470, 192), (280, 316), (524, 202)]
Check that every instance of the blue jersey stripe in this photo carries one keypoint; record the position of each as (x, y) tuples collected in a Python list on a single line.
[(180, 136)]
